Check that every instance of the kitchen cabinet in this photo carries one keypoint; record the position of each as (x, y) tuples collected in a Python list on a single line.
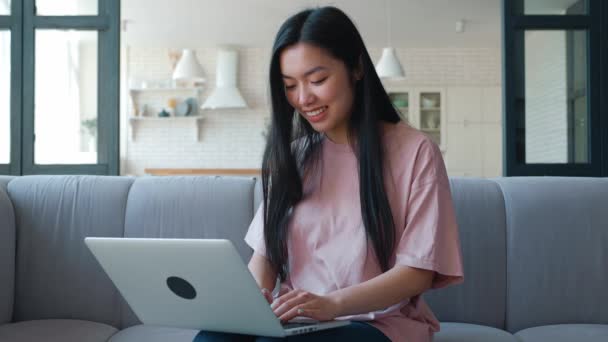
[(424, 109), (474, 131)]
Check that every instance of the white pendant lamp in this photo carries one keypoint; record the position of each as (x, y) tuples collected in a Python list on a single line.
[(389, 66), (188, 68)]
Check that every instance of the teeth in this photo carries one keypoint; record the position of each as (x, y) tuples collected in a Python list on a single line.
[(315, 112)]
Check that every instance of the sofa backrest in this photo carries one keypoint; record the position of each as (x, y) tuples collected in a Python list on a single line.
[(481, 298), (189, 207), (557, 238), (7, 253), (56, 275)]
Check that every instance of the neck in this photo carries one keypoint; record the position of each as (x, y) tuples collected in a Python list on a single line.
[(338, 136)]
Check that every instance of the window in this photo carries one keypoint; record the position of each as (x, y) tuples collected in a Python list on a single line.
[(554, 114), (63, 59)]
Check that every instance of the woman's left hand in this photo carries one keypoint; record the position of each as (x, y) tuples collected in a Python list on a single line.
[(302, 303)]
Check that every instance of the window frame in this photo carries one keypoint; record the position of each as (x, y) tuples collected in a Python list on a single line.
[(23, 24), (514, 27)]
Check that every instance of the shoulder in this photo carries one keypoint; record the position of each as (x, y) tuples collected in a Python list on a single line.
[(409, 151), (403, 141)]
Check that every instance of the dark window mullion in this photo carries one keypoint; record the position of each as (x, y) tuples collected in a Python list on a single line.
[(16, 87), (89, 169), (548, 22), (5, 21), (583, 170), (594, 140), (601, 24), (93, 22), (28, 69), (108, 104)]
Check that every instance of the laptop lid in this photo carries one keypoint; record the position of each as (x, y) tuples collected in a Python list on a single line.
[(187, 283)]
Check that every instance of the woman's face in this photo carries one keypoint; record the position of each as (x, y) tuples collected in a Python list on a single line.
[(319, 87)]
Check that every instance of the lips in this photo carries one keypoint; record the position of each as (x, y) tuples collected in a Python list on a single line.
[(316, 115)]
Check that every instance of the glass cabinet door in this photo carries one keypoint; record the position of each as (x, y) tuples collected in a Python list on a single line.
[(430, 115), (401, 101)]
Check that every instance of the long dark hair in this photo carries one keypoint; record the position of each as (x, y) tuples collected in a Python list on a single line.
[(292, 142)]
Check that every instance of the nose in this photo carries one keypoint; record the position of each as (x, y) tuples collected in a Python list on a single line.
[(305, 96)]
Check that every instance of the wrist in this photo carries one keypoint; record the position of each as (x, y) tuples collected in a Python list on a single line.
[(337, 297)]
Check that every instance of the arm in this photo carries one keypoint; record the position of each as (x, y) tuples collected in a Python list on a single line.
[(262, 271), (389, 288)]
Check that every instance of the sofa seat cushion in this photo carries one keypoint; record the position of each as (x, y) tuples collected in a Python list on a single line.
[(464, 332), (150, 333), (56, 330), (565, 333)]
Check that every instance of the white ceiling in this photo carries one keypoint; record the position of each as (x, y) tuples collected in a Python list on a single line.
[(253, 23)]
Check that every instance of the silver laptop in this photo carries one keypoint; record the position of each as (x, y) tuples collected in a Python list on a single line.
[(194, 284)]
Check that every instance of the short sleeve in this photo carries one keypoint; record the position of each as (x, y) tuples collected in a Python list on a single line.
[(255, 234), (430, 236)]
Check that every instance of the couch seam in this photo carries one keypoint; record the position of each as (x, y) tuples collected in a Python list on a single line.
[(13, 306), (124, 224), (506, 236)]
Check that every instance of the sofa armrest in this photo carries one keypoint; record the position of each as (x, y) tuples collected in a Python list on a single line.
[(7, 256)]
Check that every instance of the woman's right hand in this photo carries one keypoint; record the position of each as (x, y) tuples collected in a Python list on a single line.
[(268, 295)]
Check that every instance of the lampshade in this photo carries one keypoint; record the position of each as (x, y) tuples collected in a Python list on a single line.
[(389, 65), (188, 68)]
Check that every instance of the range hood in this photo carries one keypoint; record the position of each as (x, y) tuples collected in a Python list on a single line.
[(225, 94)]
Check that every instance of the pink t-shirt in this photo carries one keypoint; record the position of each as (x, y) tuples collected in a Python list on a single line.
[(328, 246)]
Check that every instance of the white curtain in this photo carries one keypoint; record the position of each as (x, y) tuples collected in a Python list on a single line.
[(5, 93)]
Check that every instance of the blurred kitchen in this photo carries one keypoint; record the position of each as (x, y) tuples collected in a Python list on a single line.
[(450, 53)]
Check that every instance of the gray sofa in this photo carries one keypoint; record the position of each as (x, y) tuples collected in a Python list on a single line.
[(535, 253)]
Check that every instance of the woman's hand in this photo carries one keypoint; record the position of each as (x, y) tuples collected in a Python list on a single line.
[(305, 304)]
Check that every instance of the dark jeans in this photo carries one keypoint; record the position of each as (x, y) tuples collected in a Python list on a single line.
[(356, 331)]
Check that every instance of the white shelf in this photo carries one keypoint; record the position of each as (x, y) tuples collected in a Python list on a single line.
[(195, 119), (158, 89)]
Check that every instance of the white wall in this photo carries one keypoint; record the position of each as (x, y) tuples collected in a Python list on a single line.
[(233, 139)]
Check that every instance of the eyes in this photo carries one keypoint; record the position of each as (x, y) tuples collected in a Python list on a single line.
[(314, 82)]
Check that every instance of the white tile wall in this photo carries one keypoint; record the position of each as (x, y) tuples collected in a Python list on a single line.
[(233, 138)]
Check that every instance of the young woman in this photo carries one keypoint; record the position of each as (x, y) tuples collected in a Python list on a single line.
[(357, 219)]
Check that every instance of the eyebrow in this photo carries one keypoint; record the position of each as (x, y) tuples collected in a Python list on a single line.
[(311, 71)]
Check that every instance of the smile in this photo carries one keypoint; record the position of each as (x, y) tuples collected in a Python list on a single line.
[(316, 112)]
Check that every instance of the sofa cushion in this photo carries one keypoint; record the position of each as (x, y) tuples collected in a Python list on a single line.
[(150, 333), (7, 256), (463, 332), (57, 276), (203, 207), (481, 221), (565, 333), (4, 180), (56, 330), (556, 238)]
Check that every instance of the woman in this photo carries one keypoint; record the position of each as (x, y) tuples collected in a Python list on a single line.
[(357, 219)]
